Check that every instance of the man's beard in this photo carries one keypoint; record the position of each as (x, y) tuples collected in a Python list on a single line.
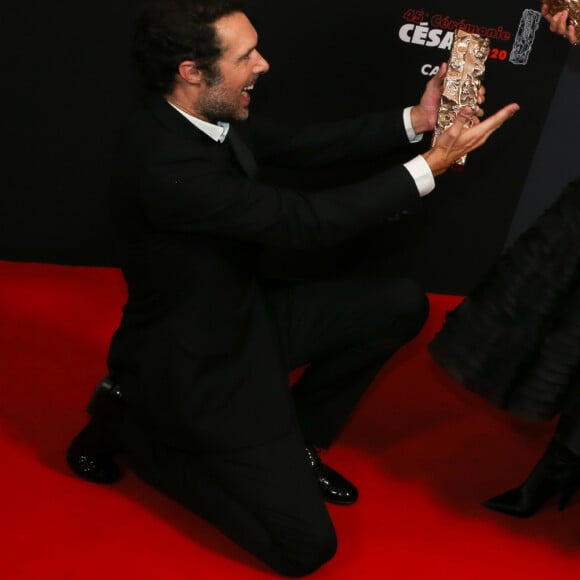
[(217, 105)]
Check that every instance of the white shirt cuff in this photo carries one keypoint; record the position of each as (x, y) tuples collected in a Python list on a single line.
[(422, 175), (411, 135)]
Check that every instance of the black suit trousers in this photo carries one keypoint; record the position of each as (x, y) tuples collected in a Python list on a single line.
[(265, 497), (344, 330)]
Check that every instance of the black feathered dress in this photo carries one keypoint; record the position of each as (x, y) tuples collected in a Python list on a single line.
[(515, 339)]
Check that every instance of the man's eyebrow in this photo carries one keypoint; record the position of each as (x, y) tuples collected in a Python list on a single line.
[(249, 51)]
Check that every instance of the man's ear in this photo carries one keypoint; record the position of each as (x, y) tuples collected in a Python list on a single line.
[(189, 72)]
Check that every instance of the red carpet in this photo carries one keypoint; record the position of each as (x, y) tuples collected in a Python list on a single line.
[(423, 453)]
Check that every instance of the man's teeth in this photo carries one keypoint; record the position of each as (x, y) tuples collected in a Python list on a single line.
[(249, 88)]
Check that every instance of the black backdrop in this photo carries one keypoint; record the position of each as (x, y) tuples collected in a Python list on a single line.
[(68, 86)]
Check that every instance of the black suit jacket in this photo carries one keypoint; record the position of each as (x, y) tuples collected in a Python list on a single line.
[(195, 354)]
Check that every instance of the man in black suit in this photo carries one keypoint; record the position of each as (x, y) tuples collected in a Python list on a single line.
[(202, 356)]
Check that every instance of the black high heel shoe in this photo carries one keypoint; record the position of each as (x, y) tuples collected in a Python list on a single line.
[(557, 472)]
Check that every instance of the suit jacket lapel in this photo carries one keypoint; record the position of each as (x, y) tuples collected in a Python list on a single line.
[(242, 153), (180, 124)]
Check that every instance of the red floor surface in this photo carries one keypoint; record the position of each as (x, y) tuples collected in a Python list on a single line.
[(423, 453)]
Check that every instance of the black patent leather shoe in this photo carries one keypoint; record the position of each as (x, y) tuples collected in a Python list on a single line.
[(556, 474), (90, 455), (335, 488)]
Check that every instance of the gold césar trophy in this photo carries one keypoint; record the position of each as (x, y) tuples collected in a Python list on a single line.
[(573, 7), (461, 83)]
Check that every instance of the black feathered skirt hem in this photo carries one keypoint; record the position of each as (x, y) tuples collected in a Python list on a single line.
[(515, 339)]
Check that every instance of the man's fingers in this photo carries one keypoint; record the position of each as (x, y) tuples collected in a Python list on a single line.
[(499, 118), (466, 115), (463, 136), (462, 120), (480, 132)]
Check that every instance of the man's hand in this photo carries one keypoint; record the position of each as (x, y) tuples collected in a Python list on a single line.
[(460, 139), (559, 24), (424, 115)]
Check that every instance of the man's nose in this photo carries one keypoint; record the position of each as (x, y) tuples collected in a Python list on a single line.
[(262, 66)]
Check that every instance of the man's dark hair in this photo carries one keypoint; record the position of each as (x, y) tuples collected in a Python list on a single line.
[(170, 31)]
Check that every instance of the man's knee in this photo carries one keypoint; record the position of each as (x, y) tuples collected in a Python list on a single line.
[(407, 302), (417, 307)]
